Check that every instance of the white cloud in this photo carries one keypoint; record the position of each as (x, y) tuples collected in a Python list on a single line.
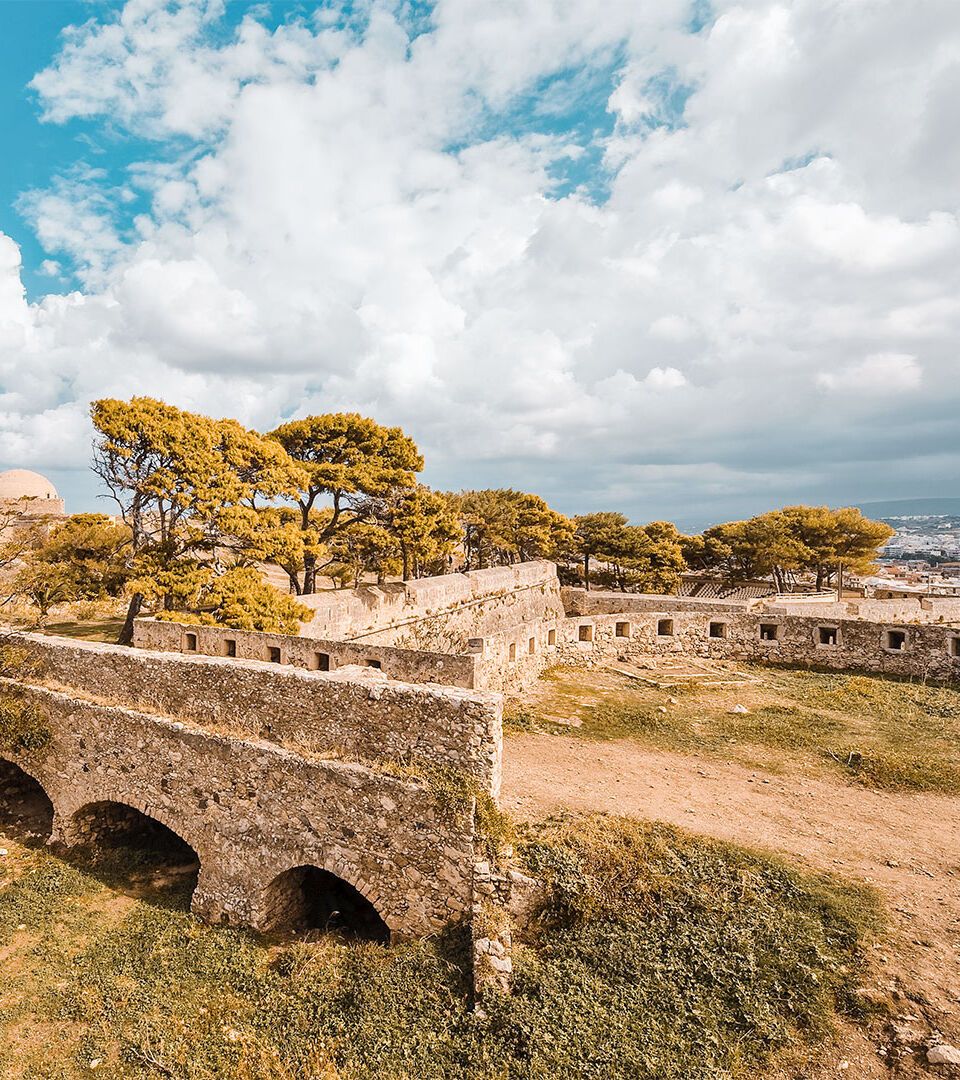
[(319, 244), (881, 373)]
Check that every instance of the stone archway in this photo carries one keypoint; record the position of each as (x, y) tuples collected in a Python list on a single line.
[(26, 810), (309, 898), (138, 850)]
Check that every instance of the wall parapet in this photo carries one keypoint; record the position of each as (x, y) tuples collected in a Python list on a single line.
[(906, 650), (304, 651), (330, 715)]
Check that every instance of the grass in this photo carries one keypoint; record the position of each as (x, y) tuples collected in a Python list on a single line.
[(656, 955), (105, 630), (878, 732)]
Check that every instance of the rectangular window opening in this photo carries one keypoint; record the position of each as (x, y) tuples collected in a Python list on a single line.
[(229, 647), (321, 661), (585, 633), (275, 657), (622, 629), (552, 638), (532, 646), (769, 632), (369, 662), (191, 645), (827, 635), (954, 646), (513, 653), (665, 628), (718, 630), (895, 640)]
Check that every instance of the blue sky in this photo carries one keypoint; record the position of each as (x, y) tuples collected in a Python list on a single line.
[(29, 33), (659, 255)]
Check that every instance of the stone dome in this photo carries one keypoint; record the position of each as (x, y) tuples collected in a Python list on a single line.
[(22, 484)]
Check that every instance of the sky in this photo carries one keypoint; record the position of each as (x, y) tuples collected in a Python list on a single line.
[(687, 259)]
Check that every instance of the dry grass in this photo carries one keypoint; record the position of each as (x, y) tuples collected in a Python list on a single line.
[(657, 955), (879, 732)]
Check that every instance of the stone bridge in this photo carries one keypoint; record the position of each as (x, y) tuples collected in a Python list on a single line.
[(298, 792)]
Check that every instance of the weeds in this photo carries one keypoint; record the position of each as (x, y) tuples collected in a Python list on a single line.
[(23, 726), (657, 956)]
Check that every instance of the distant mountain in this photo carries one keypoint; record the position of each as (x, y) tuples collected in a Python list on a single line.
[(910, 507)]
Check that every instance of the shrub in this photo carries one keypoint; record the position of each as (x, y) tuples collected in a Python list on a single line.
[(23, 727)]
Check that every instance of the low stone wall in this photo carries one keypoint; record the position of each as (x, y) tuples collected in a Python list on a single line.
[(580, 602), (252, 810), (928, 651), (322, 713), (910, 609), (309, 653), (512, 662)]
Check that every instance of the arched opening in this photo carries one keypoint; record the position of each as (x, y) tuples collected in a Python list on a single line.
[(135, 853), (26, 813), (307, 899)]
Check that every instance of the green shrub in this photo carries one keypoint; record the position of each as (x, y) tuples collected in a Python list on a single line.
[(23, 727)]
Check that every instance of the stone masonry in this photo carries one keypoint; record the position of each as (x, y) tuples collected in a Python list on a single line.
[(263, 770)]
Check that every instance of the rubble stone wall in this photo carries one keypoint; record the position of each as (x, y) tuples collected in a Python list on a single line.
[(441, 613), (252, 810), (924, 651), (309, 653), (356, 719)]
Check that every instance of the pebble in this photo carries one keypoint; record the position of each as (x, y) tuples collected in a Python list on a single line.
[(943, 1054), (3, 851)]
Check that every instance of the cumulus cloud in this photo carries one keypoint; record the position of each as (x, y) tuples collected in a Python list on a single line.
[(416, 219)]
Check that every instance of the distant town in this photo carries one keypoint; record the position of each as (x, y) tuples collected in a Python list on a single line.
[(922, 557)]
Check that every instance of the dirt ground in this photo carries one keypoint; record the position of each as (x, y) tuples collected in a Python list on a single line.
[(906, 845)]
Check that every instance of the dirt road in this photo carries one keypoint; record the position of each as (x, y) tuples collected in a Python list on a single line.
[(908, 845)]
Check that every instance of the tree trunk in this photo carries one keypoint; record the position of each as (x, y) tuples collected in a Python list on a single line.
[(404, 555), (133, 610), (586, 572), (309, 575), (819, 576)]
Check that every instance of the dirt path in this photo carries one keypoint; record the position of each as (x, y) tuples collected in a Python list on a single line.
[(908, 845)]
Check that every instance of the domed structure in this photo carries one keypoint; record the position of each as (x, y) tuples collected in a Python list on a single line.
[(28, 494), (23, 484)]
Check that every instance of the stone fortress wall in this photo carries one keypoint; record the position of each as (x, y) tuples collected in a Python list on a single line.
[(455, 630), (262, 770), (919, 650), (441, 613), (270, 753), (501, 628)]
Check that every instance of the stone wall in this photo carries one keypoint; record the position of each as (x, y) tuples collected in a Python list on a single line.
[(512, 661), (580, 602), (355, 718), (304, 651), (928, 651), (252, 810), (442, 613), (912, 609)]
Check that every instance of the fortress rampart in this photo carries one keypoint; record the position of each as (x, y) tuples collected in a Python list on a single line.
[(573, 626), (441, 613), (771, 634), (264, 772), (356, 718)]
